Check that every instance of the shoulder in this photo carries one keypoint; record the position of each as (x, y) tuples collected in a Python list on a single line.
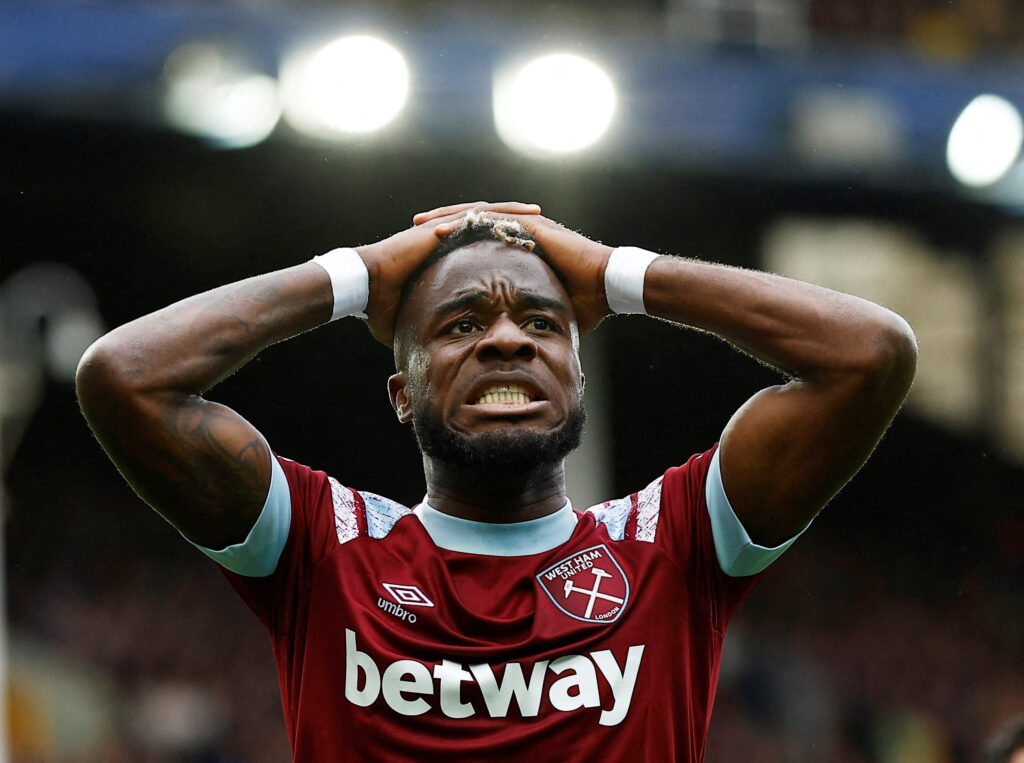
[(321, 502), (361, 513), (638, 515), (632, 517)]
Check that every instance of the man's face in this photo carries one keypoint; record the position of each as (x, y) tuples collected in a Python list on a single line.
[(493, 375)]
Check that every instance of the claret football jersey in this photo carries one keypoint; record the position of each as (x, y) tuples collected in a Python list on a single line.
[(406, 634)]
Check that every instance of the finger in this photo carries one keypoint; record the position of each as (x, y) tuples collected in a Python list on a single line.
[(512, 208), (501, 207), (445, 229), (451, 209), (527, 212)]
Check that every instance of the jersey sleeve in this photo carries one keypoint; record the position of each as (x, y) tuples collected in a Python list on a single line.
[(738, 555), (300, 504), (705, 538), (258, 554)]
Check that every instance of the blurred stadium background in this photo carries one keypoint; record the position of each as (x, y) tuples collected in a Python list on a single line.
[(150, 150)]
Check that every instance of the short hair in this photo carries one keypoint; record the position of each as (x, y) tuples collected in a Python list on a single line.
[(475, 227), (1006, 742)]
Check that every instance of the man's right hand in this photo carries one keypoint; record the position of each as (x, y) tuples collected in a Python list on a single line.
[(390, 262)]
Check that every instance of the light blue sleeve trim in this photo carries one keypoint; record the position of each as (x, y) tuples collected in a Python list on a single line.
[(738, 555), (258, 554)]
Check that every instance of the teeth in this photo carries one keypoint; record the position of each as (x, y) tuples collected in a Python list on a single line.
[(505, 393)]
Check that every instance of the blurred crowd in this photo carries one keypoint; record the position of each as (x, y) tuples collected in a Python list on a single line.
[(953, 30), (832, 660), (127, 644)]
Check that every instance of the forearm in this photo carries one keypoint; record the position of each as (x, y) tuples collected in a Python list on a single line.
[(804, 330), (189, 346), (790, 448)]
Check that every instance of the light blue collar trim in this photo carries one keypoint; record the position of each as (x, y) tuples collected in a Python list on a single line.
[(535, 536)]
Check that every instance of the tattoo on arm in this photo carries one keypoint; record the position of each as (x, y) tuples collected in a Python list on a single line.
[(198, 463)]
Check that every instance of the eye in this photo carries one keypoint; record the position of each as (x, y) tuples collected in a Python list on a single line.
[(464, 326), (539, 324)]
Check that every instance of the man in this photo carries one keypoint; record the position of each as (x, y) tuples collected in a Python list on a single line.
[(493, 621)]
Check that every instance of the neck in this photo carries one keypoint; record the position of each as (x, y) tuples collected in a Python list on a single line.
[(496, 494)]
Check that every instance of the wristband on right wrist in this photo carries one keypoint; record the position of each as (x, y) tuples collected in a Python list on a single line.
[(350, 281), (624, 279)]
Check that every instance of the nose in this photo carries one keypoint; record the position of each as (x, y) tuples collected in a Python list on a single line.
[(505, 340)]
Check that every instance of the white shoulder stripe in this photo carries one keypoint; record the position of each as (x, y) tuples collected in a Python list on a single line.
[(344, 501), (613, 515), (648, 510), (641, 510), (381, 514)]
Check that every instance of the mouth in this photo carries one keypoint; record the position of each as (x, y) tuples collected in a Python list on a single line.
[(505, 394)]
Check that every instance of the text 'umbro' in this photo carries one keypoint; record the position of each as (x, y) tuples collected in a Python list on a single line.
[(405, 685)]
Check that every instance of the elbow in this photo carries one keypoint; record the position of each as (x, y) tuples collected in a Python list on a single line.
[(93, 377), (101, 379), (892, 360)]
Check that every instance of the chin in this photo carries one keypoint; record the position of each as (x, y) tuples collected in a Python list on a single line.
[(503, 445)]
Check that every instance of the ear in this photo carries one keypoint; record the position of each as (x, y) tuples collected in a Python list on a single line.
[(398, 391)]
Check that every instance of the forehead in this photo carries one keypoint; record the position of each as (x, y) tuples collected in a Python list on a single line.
[(492, 270)]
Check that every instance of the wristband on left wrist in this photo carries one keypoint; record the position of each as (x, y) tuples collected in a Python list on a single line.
[(624, 277)]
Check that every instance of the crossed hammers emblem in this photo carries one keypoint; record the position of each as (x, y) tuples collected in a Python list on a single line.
[(594, 592)]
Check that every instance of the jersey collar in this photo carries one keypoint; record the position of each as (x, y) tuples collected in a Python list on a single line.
[(535, 536)]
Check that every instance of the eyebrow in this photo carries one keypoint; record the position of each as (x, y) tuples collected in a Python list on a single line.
[(524, 300)]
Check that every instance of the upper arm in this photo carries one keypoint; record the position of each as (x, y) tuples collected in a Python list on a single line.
[(790, 448), (198, 463)]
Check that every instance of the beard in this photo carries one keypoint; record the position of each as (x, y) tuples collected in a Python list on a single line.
[(510, 449)]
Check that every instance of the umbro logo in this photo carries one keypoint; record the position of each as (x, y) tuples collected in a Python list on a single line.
[(409, 595), (403, 596)]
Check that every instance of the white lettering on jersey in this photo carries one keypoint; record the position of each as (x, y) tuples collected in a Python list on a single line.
[(406, 684), (396, 609), (451, 675), (578, 563), (498, 697), (395, 685), (583, 679), (622, 681), (357, 662)]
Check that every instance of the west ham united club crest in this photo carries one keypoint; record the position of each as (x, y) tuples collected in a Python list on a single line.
[(589, 585)]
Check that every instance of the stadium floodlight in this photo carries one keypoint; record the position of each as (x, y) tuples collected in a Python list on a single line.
[(985, 141), (557, 103), (215, 97), (354, 84)]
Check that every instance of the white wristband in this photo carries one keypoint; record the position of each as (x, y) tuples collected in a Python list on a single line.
[(624, 279), (350, 281)]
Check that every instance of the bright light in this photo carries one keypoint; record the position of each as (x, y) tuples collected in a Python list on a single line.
[(352, 85), (985, 141), (218, 99), (554, 104)]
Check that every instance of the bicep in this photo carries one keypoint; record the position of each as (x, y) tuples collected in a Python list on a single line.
[(199, 464), (790, 448)]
